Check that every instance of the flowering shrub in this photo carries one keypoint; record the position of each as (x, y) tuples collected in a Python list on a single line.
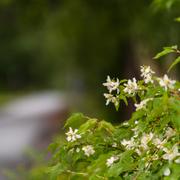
[(144, 147)]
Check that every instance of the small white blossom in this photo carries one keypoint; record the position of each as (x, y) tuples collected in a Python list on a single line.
[(155, 157), (136, 131), (77, 150), (138, 152), (112, 85), (177, 161), (129, 144), (88, 150), (111, 160), (71, 150), (158, 143), (72, 135), (170, 132), (167, 172), (125, 123), (166, 82), (145, 139), (148, 79), (131, 87), (114, 145), (111, 98), (171, 154), (136, 122), (145, 70), (147, 164), (146, 73), (142, 104)]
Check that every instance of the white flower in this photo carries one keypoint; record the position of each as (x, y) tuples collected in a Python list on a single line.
[(167, 172), (131, 86), (136, 131), (171, 154), (146, 73), (77, 150), (125, 123), (111, 98), (72, 135), (71, 150), (129, 144), (88, 150), (166, 82), (148, 79), (136, 122), (112, 85), (170, 132), (158, 143), (142, 104), (138, 152), (111, 160), (155, 157), (114, 145), (145, 139), (177, 161), (145, 70)]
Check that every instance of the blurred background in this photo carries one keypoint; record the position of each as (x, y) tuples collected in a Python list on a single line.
[(55, 55)]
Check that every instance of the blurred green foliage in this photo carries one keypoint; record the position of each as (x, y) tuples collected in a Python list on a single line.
[(69, 43), (74, 45)]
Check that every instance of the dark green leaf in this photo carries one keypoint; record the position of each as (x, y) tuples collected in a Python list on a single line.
[(75, 120), (166, 50), (176, 61), (177, 19)]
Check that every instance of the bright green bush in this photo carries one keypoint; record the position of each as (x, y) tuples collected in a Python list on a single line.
[(145, 147)]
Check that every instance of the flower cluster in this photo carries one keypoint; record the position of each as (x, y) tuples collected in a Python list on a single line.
[(73, 136), (144, 142), (151, 145), (111, 85), (133, 87)]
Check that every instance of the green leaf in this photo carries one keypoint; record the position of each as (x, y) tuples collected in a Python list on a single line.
[(122, 97), (98, 166), (123, 81), (122, 133), (75, 120), (107, 126), (53, 146), (56, 170), (177, 19), (166, 50), (91, 123), (125, 164), (176, 61), (175, 112)]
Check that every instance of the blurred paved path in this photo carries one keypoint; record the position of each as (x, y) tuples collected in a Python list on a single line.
[(24, 121)]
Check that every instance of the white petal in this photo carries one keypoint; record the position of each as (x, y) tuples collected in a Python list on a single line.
[(167, 172)]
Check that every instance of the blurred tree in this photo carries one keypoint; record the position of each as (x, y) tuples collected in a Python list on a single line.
[(75, 44)]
